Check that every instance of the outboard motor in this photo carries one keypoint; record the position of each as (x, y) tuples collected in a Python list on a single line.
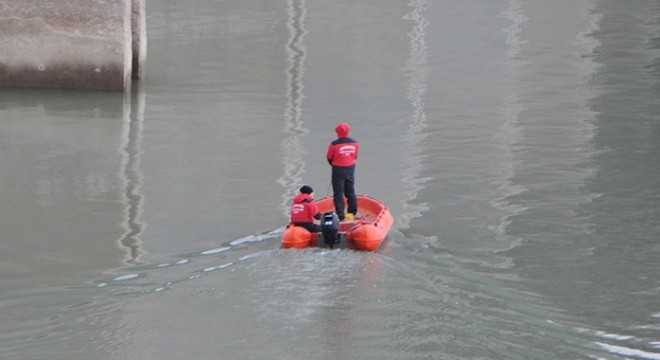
[(330, 229)]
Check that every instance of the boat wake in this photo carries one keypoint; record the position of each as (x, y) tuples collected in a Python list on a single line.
[(147, 278)]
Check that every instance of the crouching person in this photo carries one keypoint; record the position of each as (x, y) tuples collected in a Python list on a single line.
[(304, 211)]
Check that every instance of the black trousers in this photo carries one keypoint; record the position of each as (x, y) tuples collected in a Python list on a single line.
[(312, 227), (343, 184)]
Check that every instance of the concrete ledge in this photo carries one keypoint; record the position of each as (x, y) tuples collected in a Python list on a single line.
[(73, 44)]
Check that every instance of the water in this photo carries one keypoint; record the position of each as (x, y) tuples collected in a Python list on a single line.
[(515, 142)]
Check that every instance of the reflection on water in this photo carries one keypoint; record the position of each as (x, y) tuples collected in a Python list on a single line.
[(546, 148), (131, 176), (508, 100), (418, 70), (511, 132), (59, 191), (292, 158), (60, 200)]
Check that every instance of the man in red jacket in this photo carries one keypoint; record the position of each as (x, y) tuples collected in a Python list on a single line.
[(342, 154), (304, 211)]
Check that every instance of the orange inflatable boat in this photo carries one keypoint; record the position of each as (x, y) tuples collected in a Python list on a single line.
[(366, 232)]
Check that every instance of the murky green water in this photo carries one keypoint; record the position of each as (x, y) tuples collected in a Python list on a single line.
[(516, 143)]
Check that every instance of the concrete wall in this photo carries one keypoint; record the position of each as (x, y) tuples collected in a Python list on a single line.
[(72, 44), (139, 28)]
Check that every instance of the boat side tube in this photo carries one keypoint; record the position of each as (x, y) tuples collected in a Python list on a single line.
[(296, 237)]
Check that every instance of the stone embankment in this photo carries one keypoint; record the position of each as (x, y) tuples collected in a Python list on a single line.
[(73, 44)]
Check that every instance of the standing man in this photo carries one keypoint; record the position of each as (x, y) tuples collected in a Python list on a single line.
[(341, 155)]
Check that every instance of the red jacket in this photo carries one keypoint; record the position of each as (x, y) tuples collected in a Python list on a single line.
[(304, 209), (343, 152)]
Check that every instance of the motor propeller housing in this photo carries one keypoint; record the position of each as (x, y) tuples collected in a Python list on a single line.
[(330, 228)]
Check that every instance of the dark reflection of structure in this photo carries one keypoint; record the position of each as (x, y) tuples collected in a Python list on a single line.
[(60, 102), (294, 165), (132, 175), (417, 69)]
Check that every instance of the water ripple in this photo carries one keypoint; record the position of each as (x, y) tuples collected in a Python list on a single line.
[(418, 70), (292, 159), (132, 178)]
